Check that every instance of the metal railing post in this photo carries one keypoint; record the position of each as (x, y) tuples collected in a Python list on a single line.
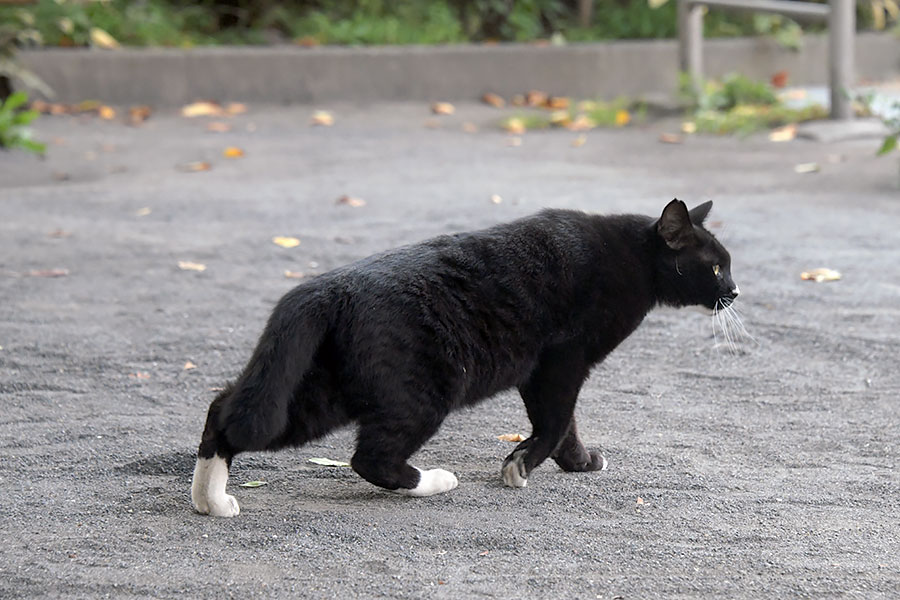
[(690, 42), (841, 29)]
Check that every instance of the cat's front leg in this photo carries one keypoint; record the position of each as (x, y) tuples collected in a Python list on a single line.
[(572, 456)]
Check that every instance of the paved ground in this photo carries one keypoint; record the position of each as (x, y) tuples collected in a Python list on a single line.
[(771, 472)]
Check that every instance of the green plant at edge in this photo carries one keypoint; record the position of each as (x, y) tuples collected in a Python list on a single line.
[(890, 141), (14, 132)]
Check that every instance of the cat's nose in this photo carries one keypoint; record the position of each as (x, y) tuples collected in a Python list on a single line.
[(735, 292)]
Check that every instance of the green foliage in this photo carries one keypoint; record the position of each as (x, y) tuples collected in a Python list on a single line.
[(14, 132), (893, 123), (733, 90)]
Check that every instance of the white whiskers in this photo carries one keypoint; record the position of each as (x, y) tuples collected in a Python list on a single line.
[(727, 320)]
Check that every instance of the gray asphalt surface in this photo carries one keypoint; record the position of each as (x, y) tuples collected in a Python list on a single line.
[(768, 472)]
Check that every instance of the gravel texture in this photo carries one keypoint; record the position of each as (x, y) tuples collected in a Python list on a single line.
[(770, 471)]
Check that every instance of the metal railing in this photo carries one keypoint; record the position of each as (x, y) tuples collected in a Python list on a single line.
[(839, 14)]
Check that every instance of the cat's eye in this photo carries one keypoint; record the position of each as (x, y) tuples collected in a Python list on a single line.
[(716, 270)]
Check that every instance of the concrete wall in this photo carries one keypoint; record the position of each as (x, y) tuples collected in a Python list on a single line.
[(319, 75)]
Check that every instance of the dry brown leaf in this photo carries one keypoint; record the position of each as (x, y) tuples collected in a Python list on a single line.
[(579, 141), (496, 199), (780, 79), (470, 127), (58, 109), (232, 152), (139, 375), (689, 127), (581, 123), (820, 275), (322, 117), (138, 114), (351, 201), (783, 134), (494, 100), (235, 108), (443, 108), (294, 274), (511, 437), (558, 102), (186, 265), (307, 41), (202, 108), (218, 126), (640, 500), (560, 118), (191, 167), (285, 242), (188, 366), (671, 138), (143, 212), (484, 553), (40, 106), (518, 100), (536, 98), (48, 273), (59, 233), (107, 113)]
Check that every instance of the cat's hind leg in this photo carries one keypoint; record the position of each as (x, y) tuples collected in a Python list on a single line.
[(571, 455), (385, 444), (211, 471)]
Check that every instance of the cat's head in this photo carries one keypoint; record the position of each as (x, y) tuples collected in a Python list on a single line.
[(693, 268)]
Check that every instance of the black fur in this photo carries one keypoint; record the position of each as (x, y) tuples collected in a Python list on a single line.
[(396, 341)]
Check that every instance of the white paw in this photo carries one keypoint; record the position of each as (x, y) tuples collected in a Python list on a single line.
[(224, 506), (605, 463), (512, 472), (431, 482)]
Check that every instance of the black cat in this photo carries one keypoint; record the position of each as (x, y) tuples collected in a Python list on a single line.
[(396, 341)]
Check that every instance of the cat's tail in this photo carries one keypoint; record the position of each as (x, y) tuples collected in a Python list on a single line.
[(252, 413)]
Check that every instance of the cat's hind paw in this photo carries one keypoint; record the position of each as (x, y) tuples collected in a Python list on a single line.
[(513, 470), (431, 482)]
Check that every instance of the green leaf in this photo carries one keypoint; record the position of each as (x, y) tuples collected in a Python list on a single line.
[(25, 117), (15, 100), (327, 462), (253, 484), (32, 145), (890, 143)]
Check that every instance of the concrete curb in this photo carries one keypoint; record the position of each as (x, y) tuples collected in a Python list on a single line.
[(166, 77)]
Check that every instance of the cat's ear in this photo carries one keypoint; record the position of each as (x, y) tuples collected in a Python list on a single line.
[(698, 213), (675, 227)]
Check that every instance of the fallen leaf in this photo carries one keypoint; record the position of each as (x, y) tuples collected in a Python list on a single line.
[(40, 106), (232, 152), (294, 275), (443, 108), (689, 127), (496, 199), (138, 114), (286, 242), (143, 212), (188, 366), (59, 233), (432, 124), (581, 123), (254, 484), (322, 117), (671, 138), (58, 109), (518, 100), (820, 275), (514, 125), (218, 126), (485, 553), (470, 127), (806, 168), (514, 141), (780, 79), (351, 201), (185, 265), (236, 108), (101, 39), (783, 134), (558, 102), (307, 41), (191, 167), (48, 273), (107, 113), (623, 117), (327, 462), (640, 500), (560, 118), (536, 98), (511, 437), (139, 375), (202, 108), (494, 100), (579, 141)]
